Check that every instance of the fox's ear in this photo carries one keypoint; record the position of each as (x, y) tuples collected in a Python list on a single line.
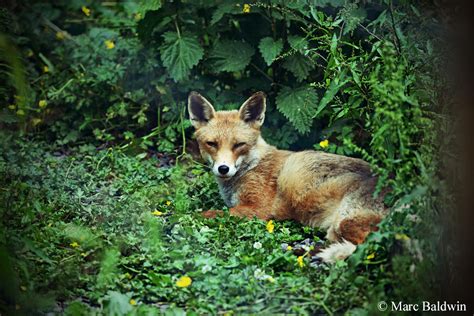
[(200, 110), (252, 111)]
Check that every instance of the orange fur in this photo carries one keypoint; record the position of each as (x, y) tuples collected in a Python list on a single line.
[(356, 229), (319, 189)]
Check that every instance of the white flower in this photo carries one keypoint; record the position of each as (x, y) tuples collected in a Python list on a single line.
[(176, 228), (206, 268), (259, 274), (257, 245), (205, 229)]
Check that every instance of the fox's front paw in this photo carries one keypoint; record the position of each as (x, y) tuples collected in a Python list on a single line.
[(211, 213)]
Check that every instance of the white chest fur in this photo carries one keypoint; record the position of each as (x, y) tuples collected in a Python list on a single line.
[(228, 193)]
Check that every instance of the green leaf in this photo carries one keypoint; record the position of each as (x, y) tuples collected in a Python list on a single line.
[(333, 44), (352, 16), (77, 308), (298, 106), (231, 55), (108, 268), (223, 9), (298, 43), (175, 311), (7, 117), (325, 3), (333, 89), (148, 5), (117, 303), (380, 20), (270, 49), (299, 65), (180, 53)]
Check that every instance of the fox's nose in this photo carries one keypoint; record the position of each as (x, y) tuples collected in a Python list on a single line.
[(223, 169)]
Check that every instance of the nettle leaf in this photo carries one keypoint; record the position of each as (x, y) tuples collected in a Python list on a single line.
[(148, 5), (231, 56), (299, 65), (270, 49), (117, 303), (180, 53), (223, 9), (298, 106), (298, 43)]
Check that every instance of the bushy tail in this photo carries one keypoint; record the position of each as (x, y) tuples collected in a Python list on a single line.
[(337, 251)]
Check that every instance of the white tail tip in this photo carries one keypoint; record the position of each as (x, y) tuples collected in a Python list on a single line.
[(337, 251)]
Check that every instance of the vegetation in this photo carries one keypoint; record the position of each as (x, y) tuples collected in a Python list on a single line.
[(101, 189)]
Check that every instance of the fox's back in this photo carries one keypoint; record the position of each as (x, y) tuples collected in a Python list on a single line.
[(316, 184)]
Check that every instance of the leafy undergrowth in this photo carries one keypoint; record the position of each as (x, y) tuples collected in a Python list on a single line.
[(98, 231)]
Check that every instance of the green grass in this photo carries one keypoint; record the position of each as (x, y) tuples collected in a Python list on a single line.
[(80, 230)]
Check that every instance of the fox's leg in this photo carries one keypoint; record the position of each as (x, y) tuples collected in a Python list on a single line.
[(351, 231), (250, 211), (355, 229), (212, 213)]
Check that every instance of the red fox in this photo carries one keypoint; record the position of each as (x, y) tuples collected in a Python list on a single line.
[(332, 192)]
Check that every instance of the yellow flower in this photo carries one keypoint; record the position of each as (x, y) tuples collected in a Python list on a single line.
[(29, 53), (74, 244), (12, 106), (300, 261), (133, 302), (20, 112), (324, 143), (168, 203), (60, 35), (45, 69), (86, 10), (157, 213), (401, 237), (270, 226), (184, 281), (270, 279), (137, 16), (246, 8), (109, 44), (36, 121), (289, 248), (84, 254), (371, 256), (42, 104)]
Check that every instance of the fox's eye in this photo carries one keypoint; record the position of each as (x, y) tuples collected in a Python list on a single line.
[(238, 145), (211, 144)]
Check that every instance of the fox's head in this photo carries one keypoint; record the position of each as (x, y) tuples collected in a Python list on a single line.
[(228, 139)]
